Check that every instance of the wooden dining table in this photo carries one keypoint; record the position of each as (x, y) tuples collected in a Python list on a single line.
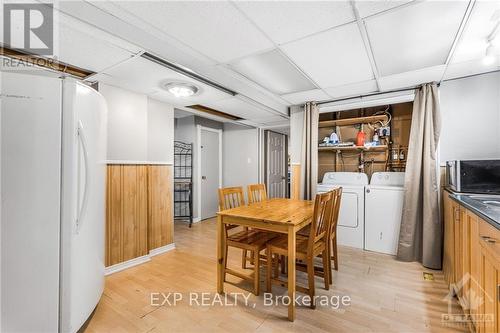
[(286, 216)]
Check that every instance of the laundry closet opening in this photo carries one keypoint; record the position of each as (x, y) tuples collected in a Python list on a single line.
[(368, 140)]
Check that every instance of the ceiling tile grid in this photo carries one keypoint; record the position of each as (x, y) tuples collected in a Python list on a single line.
[(285, 21), (352, 89), (293, 51), (412, 78), (473, 42), (306, 96), (272, 70), (415, 36), (215, 28), (371, 7), (332, 58)]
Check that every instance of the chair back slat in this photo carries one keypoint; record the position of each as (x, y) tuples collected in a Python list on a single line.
[(231, 197), (320, 225), (256, 193), (337, 198)]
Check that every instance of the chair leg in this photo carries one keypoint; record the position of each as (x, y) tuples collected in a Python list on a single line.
[(256, 267), (244, 259), (269, 269), (225, 261), (329, 262), (335, 254), (283, 264), (326, 268), (277, 266), (310, 280)]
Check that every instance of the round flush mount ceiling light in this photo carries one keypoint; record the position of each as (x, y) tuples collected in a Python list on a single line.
[(181, 89)]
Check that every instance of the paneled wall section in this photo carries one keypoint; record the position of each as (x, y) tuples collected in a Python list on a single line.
[(139, 210)]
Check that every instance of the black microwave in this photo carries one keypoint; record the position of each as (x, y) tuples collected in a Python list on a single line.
[(473, 176)]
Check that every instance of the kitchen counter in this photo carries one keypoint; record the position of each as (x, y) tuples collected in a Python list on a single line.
[(488, 213)]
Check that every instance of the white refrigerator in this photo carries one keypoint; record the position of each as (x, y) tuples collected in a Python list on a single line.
[(53, 178)]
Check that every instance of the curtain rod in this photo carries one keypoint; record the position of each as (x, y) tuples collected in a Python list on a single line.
[(402, 89)]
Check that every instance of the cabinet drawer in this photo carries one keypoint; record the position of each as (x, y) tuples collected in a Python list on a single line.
[(489, 238)]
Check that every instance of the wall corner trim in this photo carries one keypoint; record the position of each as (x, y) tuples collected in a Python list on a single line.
[(162, 249), (126, 264), (139, 260)]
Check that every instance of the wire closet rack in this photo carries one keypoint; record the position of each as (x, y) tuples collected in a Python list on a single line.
[(183, 181)]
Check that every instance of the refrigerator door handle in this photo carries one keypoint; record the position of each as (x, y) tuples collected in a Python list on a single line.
[(83, 207)]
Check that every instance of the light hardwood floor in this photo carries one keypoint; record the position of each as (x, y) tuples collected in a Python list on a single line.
[(386, 295)]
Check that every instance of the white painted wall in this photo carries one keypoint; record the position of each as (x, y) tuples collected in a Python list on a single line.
[(160, 132), (470, 110), (140, 129), (240, 151), (127, 124)]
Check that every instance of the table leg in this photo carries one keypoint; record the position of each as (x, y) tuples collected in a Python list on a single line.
[(220, 255), (291, 272)]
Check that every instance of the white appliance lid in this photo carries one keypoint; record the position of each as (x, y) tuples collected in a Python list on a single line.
[(388, 178), (345, 178)]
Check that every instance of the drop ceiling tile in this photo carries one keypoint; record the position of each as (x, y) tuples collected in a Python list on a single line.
[(367, 8), (332, 58), (471, 67), (239, 108), (414, 37), (215, 28), (270, 120), (273, 71), (473, 43), (352, 89), (143, 76), (410, 79), (284, 21), (306, 96)]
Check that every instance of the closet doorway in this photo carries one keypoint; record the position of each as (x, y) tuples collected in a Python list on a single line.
[(276, 166), (210, 170)]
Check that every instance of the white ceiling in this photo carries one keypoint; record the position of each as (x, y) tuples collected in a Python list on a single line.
[(277, 53)]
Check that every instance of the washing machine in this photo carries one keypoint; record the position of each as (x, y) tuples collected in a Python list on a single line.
[(350, 226), (383, 211)]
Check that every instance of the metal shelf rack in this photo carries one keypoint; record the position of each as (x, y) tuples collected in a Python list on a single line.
[(183, 181)]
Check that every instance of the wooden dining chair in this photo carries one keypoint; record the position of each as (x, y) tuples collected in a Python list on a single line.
[(256, 193), (307, 247), (337, 198), (332, 253), (252, 240)]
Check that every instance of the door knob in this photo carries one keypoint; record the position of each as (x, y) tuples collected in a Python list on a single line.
[(203, 177)]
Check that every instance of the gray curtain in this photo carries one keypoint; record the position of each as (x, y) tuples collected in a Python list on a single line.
[(421, 233), (309, 152)]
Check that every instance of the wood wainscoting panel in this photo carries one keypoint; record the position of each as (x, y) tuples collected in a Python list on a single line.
[(160, 212), (135, 215), (138, 210), (114, 215), (295, 182)]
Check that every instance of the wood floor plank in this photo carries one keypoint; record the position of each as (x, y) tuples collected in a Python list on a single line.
[(386, 295)]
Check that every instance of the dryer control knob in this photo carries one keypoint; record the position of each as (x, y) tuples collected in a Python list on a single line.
[(368, 191)]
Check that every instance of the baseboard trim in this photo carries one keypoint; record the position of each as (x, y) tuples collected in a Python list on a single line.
[(196, 219), (126, 264), (162, 249)]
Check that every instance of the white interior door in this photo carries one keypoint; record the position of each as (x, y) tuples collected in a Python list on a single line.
[(209, 172), (276, 164)]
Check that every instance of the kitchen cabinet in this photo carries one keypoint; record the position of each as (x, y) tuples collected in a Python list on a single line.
[(449, 241), (471, 264)]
